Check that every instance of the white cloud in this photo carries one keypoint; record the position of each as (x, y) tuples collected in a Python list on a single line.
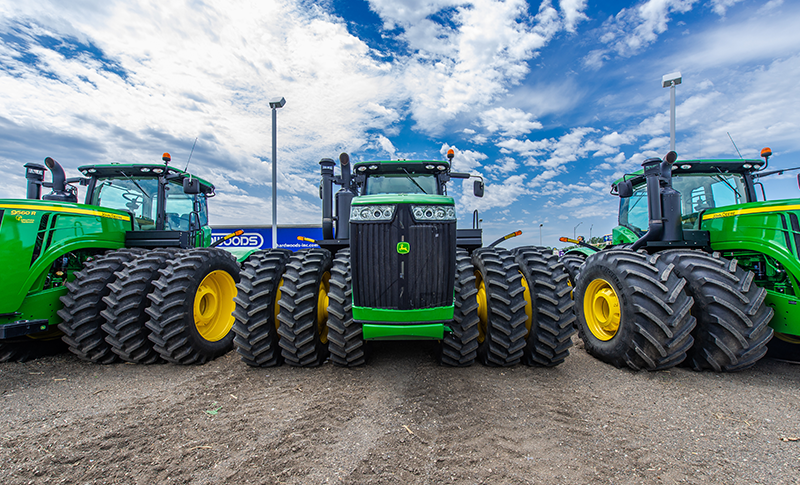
[(461, 65), (573, 13), (387, 146), (509, 122)]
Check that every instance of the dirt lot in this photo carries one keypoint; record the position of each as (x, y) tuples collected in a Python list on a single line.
[(400, 419)]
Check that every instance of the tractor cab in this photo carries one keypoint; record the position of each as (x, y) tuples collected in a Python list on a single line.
[(145, 191), (402, 177), (702, 184)]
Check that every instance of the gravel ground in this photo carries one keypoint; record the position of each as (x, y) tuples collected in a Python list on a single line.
[(400, 419)]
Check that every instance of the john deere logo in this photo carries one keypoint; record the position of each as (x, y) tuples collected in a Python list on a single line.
[(403, 248)]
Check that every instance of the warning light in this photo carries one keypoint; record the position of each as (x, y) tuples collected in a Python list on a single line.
[(166, 157)]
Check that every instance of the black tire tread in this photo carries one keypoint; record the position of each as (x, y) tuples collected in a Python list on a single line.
[(81, 321), (345, 337), (504, 342), (732, 320), (256, 338), (125, 315), (553, 319), (299, 335), (459, 348), (572, 263)]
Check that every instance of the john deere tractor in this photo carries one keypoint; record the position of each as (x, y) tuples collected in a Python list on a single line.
[(127, 275), (699, 268), (393, 266)]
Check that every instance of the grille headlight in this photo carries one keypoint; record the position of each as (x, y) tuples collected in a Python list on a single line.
[(372, 213), (433, 212)]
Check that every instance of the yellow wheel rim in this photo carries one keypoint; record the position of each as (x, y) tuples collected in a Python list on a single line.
[(322, 307), (483, 307), (214, 305), (528, 305), (601, 309), (791, 339), (276, 307)]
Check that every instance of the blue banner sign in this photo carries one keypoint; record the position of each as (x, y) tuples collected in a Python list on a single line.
[(260, 237)]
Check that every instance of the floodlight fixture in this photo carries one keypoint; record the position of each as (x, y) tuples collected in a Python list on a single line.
[(279, 102), (672, 79)]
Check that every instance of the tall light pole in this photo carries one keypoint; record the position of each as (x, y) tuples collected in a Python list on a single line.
[(275, 104), (590, 232), (670, 81), (575, 230), (540, 234)]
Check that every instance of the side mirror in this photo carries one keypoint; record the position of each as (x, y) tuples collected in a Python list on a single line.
[(477, 188), (625, 189), (191, 186)]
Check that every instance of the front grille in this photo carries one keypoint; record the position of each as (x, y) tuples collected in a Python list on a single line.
[(422, 278)]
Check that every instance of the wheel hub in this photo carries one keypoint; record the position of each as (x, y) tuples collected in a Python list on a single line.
[(483, 308), (214, 305), (602, 309)]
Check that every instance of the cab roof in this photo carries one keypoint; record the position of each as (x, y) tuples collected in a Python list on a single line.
[(686, 167), (382, 166), (139, 171)]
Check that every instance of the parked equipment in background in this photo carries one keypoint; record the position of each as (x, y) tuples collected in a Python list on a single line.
[(128, 275), (694, 231)]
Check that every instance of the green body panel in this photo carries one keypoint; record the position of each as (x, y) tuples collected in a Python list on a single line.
[(40, 305), (422, 315), (786, 312), (384, 199), (430, 331), (623, 235), (580, 251), (77, 228), (764, 228), (241, 253)]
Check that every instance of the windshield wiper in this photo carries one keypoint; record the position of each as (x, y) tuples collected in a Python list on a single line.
[(412, 179), (137, 184), (723, 179)]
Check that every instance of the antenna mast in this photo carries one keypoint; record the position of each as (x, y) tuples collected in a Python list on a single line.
[(190, 155)]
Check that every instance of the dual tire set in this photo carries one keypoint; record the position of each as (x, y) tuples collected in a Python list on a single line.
[(652, 312), (145, 307), (509, 307)]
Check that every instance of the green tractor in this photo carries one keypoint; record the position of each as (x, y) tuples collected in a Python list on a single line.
[(129, 275), (393, 266), (700, 268)]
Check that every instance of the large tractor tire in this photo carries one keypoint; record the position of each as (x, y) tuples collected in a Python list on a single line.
[(459, 348), (81, 321), (303, 305), (732, 320), (633, 310), (256, 326), (572, 263), (501, 307), (191, 314), (550, 318), (345, 337), (125, 316)]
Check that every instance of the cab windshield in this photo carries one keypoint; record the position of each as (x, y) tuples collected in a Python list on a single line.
[(698, 193), (401, 183), (138, 197)]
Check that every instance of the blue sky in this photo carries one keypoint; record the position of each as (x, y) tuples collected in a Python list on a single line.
[(548, 101)]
